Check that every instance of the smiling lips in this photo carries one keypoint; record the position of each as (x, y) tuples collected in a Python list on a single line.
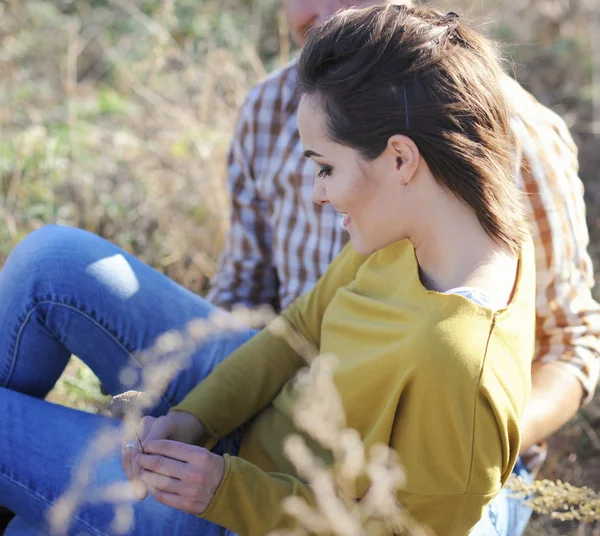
[(347, 219)]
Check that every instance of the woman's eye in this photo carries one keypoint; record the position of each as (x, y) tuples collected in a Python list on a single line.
[(325, 171)]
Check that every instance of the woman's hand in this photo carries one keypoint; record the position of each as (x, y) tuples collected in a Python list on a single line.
[(177, 425), (183, 476)]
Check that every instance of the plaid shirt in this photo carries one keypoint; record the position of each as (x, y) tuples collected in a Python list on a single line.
[(280, 242)]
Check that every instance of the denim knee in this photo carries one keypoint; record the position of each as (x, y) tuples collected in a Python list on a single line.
[(47, 256), (49, 241)]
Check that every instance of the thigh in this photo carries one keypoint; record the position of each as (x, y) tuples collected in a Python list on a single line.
[(62, 464), (65, 291), (496, 518)]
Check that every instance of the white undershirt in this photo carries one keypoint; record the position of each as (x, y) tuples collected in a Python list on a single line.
[(479, 296)]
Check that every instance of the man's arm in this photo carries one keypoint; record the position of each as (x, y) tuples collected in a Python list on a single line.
[(556, 395), (566, 364), (245, 273)]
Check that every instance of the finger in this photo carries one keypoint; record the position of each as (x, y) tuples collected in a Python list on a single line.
[(174, 449), (175, 501), (162, 465), (145, 426), (139, 488), (131, 448), (127, 456), (162, 428), (155, 481), (150, 427)]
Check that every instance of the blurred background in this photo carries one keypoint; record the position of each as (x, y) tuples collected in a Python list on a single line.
[(115, 116)]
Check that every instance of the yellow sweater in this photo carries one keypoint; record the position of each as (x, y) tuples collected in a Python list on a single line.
[(441, 379)]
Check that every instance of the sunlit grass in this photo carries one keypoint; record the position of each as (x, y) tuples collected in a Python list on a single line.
[(115, 116), (79, 388)]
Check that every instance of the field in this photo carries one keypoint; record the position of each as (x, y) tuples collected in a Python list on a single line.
[(115, 116)]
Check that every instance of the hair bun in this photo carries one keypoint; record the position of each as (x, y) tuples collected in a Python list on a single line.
[(452, 19)]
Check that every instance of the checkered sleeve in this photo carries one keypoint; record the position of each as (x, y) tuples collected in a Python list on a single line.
[(245, 273), (568, 318)]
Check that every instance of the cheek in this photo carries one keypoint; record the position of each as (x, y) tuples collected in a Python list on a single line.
[(299, 16), (356, 196)]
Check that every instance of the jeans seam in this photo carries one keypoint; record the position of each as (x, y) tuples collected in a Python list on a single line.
[(48, 502), (115, 338), (12, 361)]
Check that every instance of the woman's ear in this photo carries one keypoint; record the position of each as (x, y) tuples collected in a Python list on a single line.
[(405, 155)]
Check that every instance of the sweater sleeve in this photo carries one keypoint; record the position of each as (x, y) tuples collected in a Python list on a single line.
[(257, 496), (451, 508), (248, 380)]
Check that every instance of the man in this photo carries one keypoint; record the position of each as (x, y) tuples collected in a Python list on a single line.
[(280, 242)]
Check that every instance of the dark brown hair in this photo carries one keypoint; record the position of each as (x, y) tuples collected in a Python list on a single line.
[(389, 70)]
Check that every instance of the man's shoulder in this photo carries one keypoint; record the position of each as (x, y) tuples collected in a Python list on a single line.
[(524, 107), (278, 85)]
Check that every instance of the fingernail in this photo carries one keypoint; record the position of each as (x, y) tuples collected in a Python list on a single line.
[(140, 490)]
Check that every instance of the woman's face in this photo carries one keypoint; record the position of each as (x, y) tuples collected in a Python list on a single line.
[(368, 195), (304, 14)]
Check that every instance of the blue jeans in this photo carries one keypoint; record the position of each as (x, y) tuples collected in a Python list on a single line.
[(64, 291), (505, 515)]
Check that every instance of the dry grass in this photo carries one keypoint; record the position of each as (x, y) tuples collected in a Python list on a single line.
[(115, 116), (111, 123)]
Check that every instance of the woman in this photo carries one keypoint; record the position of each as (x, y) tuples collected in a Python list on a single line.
[(430, 309)]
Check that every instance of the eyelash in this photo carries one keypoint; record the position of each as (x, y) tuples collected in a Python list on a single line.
[(325, 171)]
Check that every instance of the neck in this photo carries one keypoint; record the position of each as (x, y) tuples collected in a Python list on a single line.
[(452, 248)]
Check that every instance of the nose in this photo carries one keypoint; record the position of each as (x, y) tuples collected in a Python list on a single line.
[(319, 196)]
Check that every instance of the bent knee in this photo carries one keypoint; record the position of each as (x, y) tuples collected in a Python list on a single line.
[(54, 241), (53, 251)]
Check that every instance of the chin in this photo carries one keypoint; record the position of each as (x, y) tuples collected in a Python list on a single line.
[(366, 247), (363, 248)]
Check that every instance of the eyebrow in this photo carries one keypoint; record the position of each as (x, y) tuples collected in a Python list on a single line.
[(310, 153)]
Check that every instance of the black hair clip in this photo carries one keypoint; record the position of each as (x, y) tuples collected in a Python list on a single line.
[(452, 19), (406, 108)]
